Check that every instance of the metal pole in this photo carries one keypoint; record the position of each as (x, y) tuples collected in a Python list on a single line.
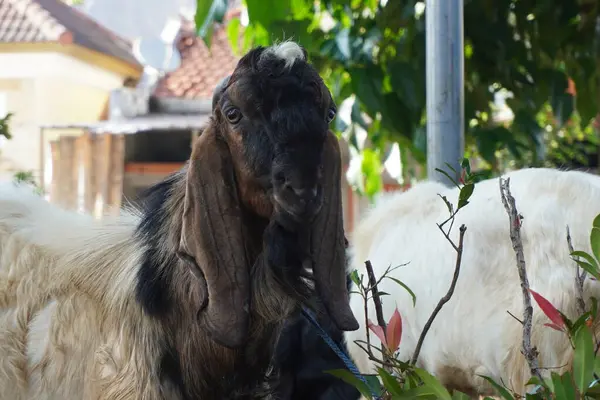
[(445, 87)]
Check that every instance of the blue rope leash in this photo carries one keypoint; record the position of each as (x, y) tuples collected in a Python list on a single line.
[(340, 353)]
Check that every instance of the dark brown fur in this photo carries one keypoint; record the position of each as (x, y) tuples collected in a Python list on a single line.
[(226, 264)]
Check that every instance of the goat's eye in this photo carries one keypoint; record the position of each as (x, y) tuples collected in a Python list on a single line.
[(233, 115), (330, 115)]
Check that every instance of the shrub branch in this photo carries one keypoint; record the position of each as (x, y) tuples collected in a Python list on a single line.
[(447, 297), (515, 218), (580, 275)]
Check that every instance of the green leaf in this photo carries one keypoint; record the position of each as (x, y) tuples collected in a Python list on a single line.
[(433, 384), (466, 165), (374, 384), (419, 392), (207, 12), (233, 34), (265, 12), (501, 390), (580, 321), (586, 257), (390, 383), (349, 378), (459, 396), (466, 191), (4, 128), (595, 242), (367, 83), (589, 268), (354, 277), (371, 168), (563, 386), (596, 223), (403, 78), (412, 294), (583, 360), (462, 203)]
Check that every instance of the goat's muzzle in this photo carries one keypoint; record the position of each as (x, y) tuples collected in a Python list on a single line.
[(295, 200)]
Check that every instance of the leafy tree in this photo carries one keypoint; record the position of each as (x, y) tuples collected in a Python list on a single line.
[(544, 52)]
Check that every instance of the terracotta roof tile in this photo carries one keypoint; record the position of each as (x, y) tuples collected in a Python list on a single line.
[(200, 70), (30, 21)]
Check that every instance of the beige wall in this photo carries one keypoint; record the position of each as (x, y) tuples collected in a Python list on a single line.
[(16, 154), (37, 101), (46, 87)]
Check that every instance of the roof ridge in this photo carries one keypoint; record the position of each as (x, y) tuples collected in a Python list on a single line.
[(27, 7), (91, 19), (200, 69)]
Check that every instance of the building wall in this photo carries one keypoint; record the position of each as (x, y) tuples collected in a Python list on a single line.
[(47, 88)]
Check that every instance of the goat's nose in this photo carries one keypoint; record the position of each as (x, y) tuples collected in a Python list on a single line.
[(304, 192)]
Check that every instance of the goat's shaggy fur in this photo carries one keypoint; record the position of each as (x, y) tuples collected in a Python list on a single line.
[(474, 334), (184, 298), (72, 324), (288, 51)]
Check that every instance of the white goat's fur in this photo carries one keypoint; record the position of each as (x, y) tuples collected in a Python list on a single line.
[(288, 51), (66, 295), (474, 334)]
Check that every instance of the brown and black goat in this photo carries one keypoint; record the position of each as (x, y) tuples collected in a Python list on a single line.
[(186, 297)]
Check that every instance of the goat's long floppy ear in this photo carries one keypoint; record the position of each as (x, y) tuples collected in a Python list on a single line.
[(328, 242), (212, 239)]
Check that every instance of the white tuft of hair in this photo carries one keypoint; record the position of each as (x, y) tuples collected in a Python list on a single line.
[(288, 50)]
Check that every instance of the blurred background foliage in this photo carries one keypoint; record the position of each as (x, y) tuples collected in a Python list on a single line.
[(542, 54), (20, 176)]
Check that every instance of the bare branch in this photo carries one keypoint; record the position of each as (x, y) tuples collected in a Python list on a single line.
[(365, 296), (512, 315), (447, 236), (508, 201), (375, 294), (377, 302), (446, 298), (580, 275)]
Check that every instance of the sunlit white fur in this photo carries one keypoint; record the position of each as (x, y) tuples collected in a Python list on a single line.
[(287, 50), (69, 324), (474, 334)]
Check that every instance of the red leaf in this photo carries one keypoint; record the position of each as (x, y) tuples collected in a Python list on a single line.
[(377, 330), (554, 326), (394, 331), (548, 309)]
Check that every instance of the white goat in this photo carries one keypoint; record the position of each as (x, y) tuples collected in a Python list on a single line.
[(474, 333)]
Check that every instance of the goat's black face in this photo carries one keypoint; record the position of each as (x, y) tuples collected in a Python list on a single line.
[(274, 111)]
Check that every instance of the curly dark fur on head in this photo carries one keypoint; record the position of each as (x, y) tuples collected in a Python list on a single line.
[(231, 238)]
